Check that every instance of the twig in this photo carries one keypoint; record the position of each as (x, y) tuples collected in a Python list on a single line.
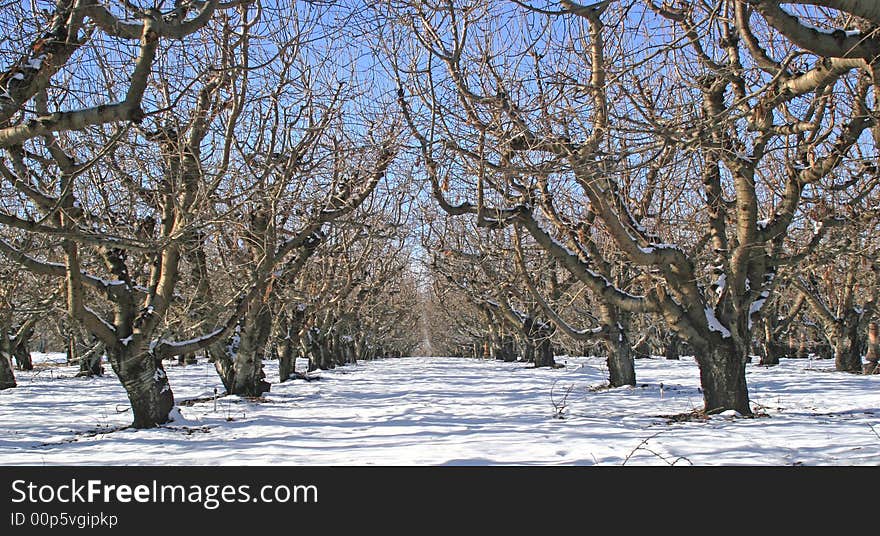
[(643, 446), (559, 407)]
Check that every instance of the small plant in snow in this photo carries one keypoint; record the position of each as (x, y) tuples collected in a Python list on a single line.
[(559, 406)]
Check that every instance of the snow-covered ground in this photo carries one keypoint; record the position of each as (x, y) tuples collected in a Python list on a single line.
[(425, 411)]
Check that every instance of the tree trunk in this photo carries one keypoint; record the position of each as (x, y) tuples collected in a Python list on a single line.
[(286, 360), (241, 368), (186, 359), (544, 353), (528, 351), (509, 348), (358, 348), (90, 362), (872, 354), (7, 378), (341, 350), (350, 355), (22, 356), (145, 383), (723, 380), (770, 350), (224, 359), (672, 349), (242, 374), (319, 353), (72, 356), (290, 325), (332, 350), (847, 357), (337, 349), (621, 366), (312, 350), (495, 349), (802, 352), (618, 351), (326, 354)]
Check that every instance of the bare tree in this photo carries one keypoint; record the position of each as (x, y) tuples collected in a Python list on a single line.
[(507, 125), (76, 197), (840, 288)]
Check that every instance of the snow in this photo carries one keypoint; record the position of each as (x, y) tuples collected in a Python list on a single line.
[(36, 63), (448, 411), (720, 284), (591, 273), (631, 219), (715, 324), (107, 325), (202, 338), (742, 155), (756, 306), (654, 246), (826, 31)]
